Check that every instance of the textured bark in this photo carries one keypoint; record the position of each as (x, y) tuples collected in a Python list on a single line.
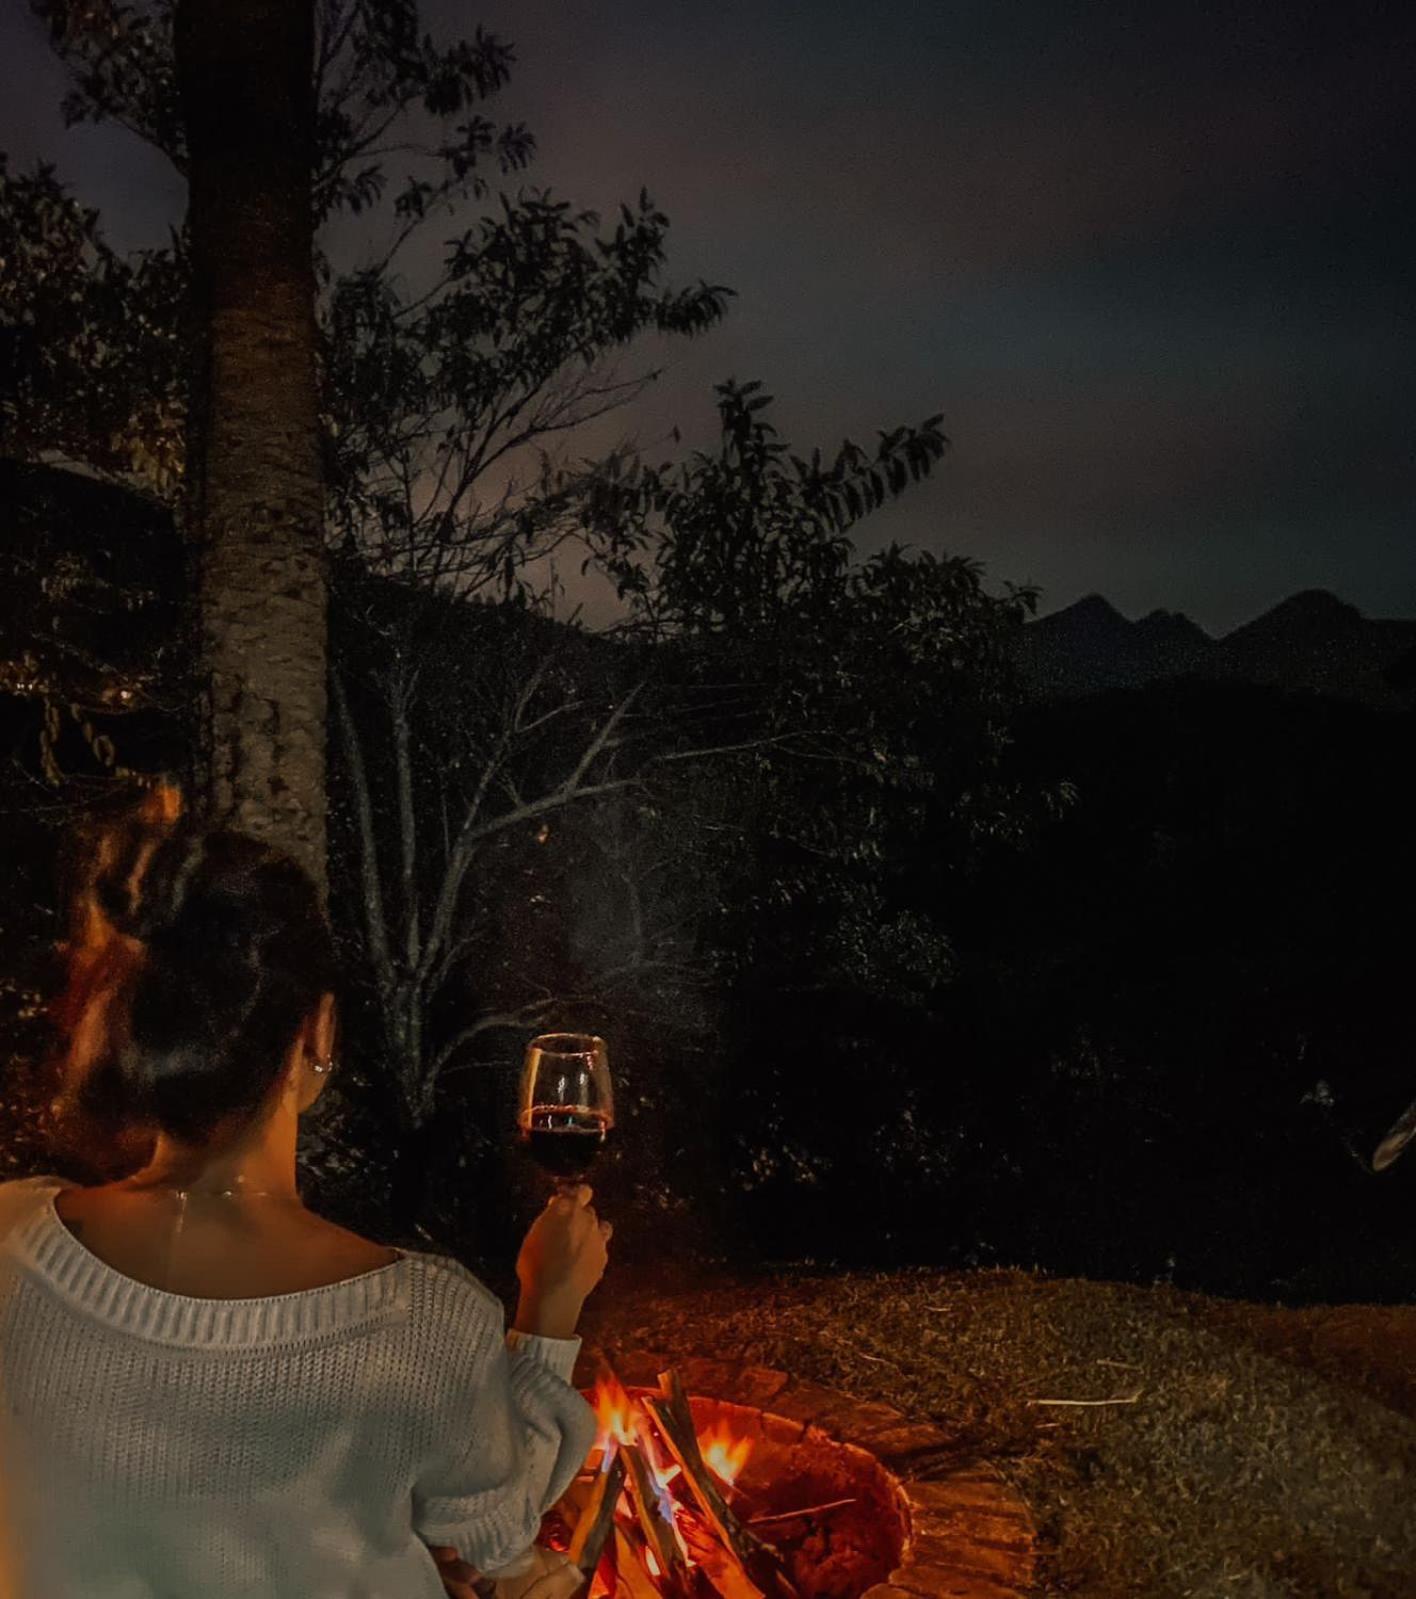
[(255, 500)]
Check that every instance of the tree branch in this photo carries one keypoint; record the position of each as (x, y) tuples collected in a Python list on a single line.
[(460, 856), (597, 745), (528, 1015), (375, 927), (407, 825)]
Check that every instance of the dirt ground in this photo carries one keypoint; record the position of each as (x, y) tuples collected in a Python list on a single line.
[(1242, 1451)]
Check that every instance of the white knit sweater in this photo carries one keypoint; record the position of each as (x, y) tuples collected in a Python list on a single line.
[(309, 1445)]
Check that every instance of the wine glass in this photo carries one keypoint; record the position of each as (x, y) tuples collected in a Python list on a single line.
[(567, 1106)]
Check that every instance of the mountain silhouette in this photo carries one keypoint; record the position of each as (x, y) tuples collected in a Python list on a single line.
[(1090, 647), (1312, 642)]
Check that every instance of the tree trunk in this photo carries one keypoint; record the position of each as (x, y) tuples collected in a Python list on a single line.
[(255, 500)]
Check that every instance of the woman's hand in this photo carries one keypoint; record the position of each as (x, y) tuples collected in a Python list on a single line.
[(551, 1576), (457, 1576), (562, 1258)]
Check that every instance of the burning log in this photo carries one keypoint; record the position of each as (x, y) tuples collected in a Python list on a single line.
[(759, 1561), (632, 1578), (597, 1518), (718, 1570), (668, 1566)]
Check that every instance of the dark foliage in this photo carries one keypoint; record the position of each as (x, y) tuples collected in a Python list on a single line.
[(91, 690), (1161, 1037), (878, 990), (1178, 1024)]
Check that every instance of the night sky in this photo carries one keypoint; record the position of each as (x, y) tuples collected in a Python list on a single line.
[(1154, 263)]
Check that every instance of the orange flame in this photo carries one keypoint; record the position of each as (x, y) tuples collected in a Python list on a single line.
[(162, 803), (614, 1411), (724, 1455)]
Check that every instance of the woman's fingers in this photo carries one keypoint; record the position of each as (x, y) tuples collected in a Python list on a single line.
[(450, 1563), (458, 1578), (560, 1582), (550, 1576)]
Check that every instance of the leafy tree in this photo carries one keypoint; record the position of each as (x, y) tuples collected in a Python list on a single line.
[(91, 367), (90, 615), (551, 721), (879, 692), (92, 677), (487, 754)]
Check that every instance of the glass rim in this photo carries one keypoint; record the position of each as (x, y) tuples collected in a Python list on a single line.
[(567, 1043)]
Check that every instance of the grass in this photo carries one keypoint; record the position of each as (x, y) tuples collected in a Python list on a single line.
[(1263, 1456)]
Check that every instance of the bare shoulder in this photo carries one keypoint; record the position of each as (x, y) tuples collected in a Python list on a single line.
[(352, 1252), (251, 1252)]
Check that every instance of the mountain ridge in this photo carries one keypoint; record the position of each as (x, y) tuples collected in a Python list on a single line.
[(1310, 642)]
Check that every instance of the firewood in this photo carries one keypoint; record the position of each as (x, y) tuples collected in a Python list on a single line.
[(658, 1534), (597, 1517), (604, 1584), (565, 1514), (632, 1574), (716, 1567), (760, 1562), (796, 1515)]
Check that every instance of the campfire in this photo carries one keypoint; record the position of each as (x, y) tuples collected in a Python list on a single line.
[(761, 1486), (658, 1513)]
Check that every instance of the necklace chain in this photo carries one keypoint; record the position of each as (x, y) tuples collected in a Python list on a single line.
[(209, 1193)]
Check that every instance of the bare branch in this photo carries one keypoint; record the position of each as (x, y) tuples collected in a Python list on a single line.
[(438, 973), (704, 752), (529, 1015), (375, 928), (460, 856), (554, 801), (408, 826), (598, 744), (535, 1011)]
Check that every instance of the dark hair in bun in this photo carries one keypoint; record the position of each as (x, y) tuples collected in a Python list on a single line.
[(224, 951)]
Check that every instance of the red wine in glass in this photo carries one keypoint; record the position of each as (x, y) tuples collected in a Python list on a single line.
[(564, 1143), (567, 1105)]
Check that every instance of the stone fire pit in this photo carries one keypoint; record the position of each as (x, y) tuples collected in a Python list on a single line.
[(919, 1527)]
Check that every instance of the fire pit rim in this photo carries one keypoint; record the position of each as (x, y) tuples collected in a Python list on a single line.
[(967, 1533)]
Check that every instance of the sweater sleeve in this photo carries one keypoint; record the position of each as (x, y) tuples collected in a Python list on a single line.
[(527, 1435)]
